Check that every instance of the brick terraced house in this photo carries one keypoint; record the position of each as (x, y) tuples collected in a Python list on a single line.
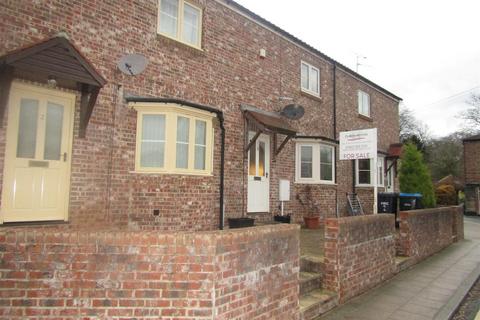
[(471, 156), (196, 137)]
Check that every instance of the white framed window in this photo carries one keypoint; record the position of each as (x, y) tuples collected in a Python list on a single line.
[(306, 162), (180, 20), (310, 79), (152, 140), (381, 171), (173, 139), (363, 103), (390, 176), (364, 173), (315, 163), (327, 156)]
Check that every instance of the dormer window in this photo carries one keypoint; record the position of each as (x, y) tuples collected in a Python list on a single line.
[(181, 21)]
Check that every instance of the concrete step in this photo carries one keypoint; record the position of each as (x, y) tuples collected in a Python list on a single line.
[(316, 303), (402, 263), (312, 264), (309, 281)]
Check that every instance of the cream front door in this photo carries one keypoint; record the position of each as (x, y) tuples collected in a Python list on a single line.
[(258, 196), (36, 179)]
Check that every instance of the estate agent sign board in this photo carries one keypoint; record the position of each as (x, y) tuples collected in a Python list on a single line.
[(358, 144)]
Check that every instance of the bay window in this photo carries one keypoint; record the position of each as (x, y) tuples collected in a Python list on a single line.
[(315, 163), (173, 139)]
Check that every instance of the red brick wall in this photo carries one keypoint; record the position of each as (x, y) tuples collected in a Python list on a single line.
[(471, 151), (427, 231), (323, 195), (257, 274), (359, 253), (227, 73), (59, 273)]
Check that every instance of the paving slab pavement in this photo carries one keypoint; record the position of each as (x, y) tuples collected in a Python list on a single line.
[(431, 289)]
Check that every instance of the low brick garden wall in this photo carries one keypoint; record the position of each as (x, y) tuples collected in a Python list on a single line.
[(427, 231), (56, 273), (359, 253), (458, 233)]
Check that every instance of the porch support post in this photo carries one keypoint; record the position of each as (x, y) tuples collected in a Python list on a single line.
[(274, 146), (390, 167), (87, 103), (277, 150), (252, 142), (6, 77)]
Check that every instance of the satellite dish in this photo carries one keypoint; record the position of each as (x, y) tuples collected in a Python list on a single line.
[(132, 64), (293, 111)]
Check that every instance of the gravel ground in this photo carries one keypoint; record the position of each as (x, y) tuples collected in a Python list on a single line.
[(470, 306)]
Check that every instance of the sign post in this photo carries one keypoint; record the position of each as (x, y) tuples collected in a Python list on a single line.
[(361, 144)]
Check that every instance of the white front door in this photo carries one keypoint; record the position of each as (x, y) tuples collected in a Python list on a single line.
[(258, 175), (390, 186), (38, 152)]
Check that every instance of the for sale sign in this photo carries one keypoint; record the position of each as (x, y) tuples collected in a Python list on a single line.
[(358, 144)]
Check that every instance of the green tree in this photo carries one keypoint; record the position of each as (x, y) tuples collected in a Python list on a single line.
[(414, 175)]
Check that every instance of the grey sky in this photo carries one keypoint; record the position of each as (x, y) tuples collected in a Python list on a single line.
[(422, 50)]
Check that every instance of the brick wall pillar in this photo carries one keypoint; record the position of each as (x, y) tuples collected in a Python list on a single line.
[(359, 253)]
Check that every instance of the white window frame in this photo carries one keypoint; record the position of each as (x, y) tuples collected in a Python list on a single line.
[(357, 175), (309, 90), (180, 23), (381, 171), (390, 175), (332, 148), (361, 108), (172, 112), (316, 174), (299, 163)]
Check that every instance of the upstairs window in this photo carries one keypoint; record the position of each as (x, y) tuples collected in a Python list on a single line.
[(180, 20), (310, 79), (363, 103), (173, 139)]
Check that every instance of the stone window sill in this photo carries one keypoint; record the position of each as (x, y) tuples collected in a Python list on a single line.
[(310, 95), (361, 116)]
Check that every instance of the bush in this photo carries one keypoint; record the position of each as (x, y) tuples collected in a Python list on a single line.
[(414, 175), (446, 195)]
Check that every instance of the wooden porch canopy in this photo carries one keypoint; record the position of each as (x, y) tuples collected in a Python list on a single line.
[(394, 153), (55, 58), (267, 122)]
